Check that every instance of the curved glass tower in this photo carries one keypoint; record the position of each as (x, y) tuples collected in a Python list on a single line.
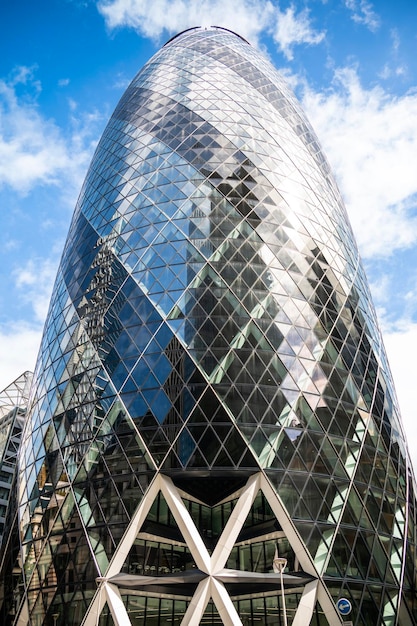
[(214, 435)]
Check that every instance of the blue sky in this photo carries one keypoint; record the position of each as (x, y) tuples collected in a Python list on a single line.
[(65, 63)]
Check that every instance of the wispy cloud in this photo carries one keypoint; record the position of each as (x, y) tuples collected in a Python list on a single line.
[(33, 149), (292, 29), (363, 13), (250, 18), (34, 281), (370, 138), (396, 65)]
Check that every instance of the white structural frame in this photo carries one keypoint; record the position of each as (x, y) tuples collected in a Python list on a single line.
[(213, 567)]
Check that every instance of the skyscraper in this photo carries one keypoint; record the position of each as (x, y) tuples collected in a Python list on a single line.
[(214, 435)]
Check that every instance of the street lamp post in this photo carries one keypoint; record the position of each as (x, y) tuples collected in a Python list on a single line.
[(279, 565)]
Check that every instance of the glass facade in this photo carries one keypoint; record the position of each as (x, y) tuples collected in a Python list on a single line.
[(13, 409), (13, 406), (214, 434)]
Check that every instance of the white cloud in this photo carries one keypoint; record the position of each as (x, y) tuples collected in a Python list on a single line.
[(25, 75), (152, 18), (398, 342), (10, 245), (19, 349), (33, 149), (20, 339), (34, 281), (380, 289), (370, 138), (363, 13), (294, 29), (249, 18), (395, 67), (395, 37)]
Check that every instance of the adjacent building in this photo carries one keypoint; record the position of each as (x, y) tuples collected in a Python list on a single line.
[(214, 436), (13, 406), (13, 410)]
